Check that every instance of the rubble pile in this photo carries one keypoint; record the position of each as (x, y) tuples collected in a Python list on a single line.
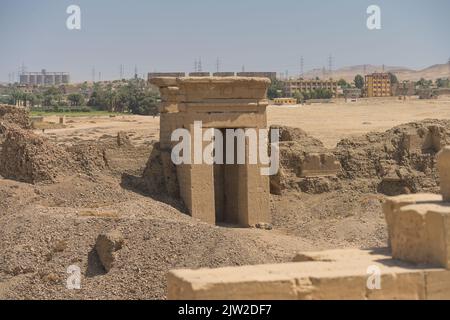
[(28, 157), (400, 160)]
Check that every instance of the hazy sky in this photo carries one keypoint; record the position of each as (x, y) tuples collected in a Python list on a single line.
[(168, 35)]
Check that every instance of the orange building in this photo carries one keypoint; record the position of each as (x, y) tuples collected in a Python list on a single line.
[(378, 85)]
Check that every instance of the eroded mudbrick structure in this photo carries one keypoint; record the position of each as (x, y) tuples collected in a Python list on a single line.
[(416, 266), (230, 193)]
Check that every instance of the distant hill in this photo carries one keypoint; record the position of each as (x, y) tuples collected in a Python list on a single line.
[(348, 73)]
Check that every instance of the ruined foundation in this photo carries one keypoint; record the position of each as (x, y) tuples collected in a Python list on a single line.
[(417, 267), (228, 193)]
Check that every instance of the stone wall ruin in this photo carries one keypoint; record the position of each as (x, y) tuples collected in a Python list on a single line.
[(416, 266)]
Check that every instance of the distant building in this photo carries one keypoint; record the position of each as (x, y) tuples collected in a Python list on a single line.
[(223, 74), (432, 93), (427, 93), (406, 88), (270, 75), (44, 78), (352, 94), (378, 85), (285, 101), (299, 85), (199, 74), (152, 75)]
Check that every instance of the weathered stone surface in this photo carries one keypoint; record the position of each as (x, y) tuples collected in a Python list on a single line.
[(419, 224), (123, 139), (400, 160), (13, 115), (438, 285), (106, 246), (306, 165), (418, 228), (335, 274), (160, 174)]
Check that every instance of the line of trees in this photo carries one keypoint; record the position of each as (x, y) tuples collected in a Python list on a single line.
[(314, 94), (275, 89), (132, 96)]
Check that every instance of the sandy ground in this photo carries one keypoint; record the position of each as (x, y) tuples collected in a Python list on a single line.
[(327, 122), (142, 128), (46, 228), (332, 122)]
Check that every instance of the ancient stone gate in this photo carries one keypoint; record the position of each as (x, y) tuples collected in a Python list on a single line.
[(227, 193)]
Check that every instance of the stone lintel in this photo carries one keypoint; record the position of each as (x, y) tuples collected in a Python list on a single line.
[(201, 88)]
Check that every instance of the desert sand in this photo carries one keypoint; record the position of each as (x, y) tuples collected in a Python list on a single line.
[(327, 122)]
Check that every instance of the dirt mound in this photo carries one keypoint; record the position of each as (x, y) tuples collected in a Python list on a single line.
[(123, 139), (90, 157), (14, 115), (305, 164), (290, 134), (157, 238), (30, 158), (400, 160)]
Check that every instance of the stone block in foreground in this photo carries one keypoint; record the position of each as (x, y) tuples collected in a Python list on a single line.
[(419, 228)]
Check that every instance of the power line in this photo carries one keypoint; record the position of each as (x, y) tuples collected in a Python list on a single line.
[(121, 71), (23, 68), (199, 65), (218, 64)]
